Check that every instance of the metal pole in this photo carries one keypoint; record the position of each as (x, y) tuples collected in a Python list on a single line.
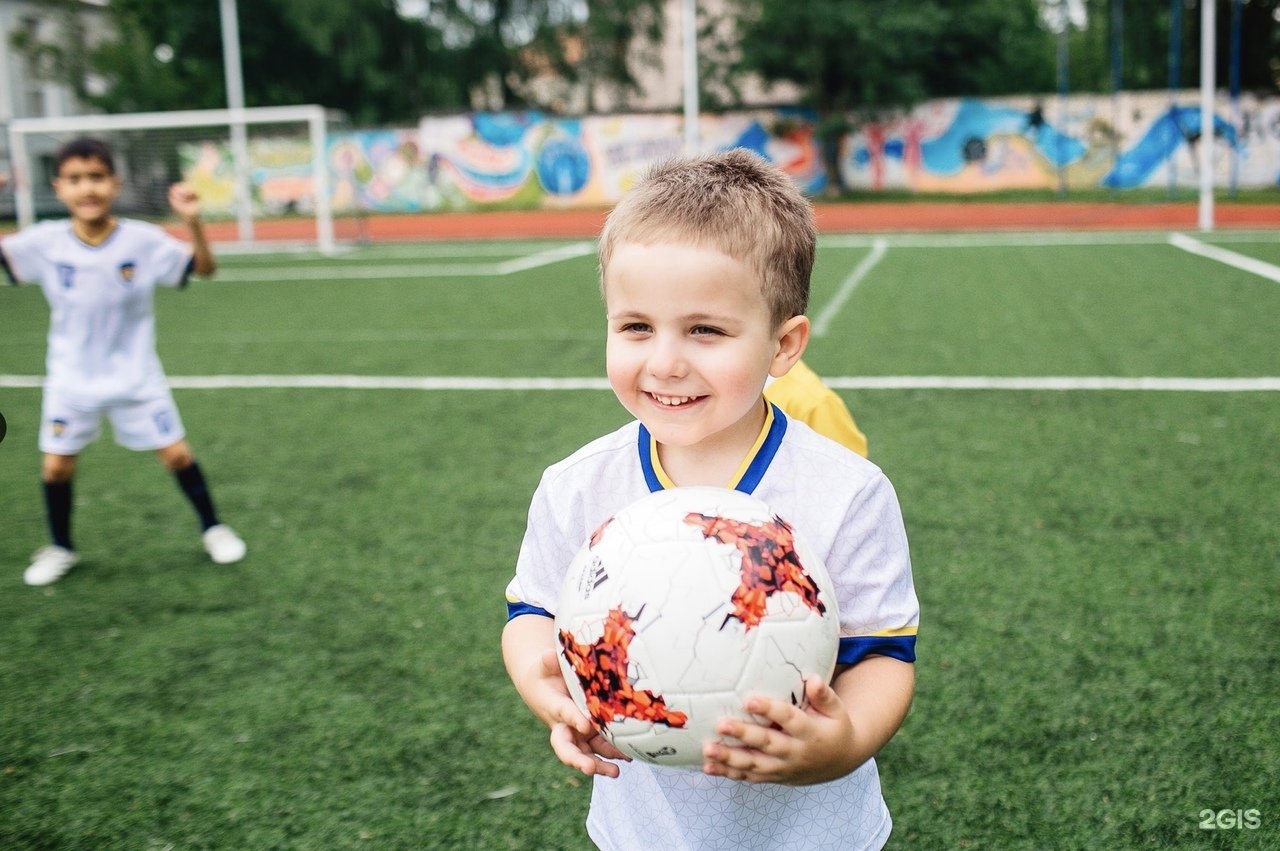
[(1233, 86), (320, 168), (690, 27), (235, 102), (1063, 77), (23, 191), (1117, 73), (1208, 60), (1175, 80)]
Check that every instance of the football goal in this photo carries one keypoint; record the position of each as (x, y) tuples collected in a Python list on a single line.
[(261, 172)]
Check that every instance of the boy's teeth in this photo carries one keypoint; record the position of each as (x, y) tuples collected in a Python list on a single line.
[(672, 400)]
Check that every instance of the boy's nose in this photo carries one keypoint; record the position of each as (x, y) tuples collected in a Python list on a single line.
[(667, 360)]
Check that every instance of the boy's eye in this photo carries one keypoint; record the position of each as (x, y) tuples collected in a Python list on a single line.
[(634, 328), (705, 330)]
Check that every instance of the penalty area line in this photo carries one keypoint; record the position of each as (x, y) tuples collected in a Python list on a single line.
[(1263, 384), (823, 320), (1221, 255)]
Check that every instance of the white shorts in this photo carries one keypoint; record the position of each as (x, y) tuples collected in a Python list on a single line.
[(65, 429)]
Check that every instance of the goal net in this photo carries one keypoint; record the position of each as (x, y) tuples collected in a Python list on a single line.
[(261, 173)]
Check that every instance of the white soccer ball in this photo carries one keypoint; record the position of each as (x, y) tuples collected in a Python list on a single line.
[(680, 606)]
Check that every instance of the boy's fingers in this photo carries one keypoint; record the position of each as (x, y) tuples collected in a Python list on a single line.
[(822, 696), (775, 711)]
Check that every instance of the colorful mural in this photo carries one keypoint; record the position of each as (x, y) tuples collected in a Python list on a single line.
[(530, 160), (1128, 141)]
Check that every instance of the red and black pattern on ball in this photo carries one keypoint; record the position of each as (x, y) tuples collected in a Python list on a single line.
[(601, 668), (770, 564), (598, 533)]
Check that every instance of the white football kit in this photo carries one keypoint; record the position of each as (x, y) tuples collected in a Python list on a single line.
[(101, 347), (848, 511)]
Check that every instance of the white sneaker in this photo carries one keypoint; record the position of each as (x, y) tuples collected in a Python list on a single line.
[(223, 545), (49, 564)]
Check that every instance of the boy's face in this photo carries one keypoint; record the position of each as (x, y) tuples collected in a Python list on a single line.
[(87, 187), (690, 343)]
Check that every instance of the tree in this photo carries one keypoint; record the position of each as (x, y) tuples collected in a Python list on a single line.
[(502, 46), (1145, 31), (858, 58), (614, 34), (359, 56)]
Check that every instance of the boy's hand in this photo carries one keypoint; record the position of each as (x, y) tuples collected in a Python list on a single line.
[(573, 737), (587, 752), (800, 746), (184, 201)]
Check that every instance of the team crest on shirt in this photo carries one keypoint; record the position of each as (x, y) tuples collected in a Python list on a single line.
[(163, 421), (127, 268), (58, 426), (66, 275)]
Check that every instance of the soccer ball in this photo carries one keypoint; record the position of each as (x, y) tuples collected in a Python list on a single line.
[(680, 606)]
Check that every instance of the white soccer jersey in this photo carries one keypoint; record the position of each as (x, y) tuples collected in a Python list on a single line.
[(849, 513), (101, 348)]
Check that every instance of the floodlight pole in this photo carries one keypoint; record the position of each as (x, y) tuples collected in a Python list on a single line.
[(235, 103), (1208, 59), (690, 28), (1063, 82)]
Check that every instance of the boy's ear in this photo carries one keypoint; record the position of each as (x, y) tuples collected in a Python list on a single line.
[(793, 339)]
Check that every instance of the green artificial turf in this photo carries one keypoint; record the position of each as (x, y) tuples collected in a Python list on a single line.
[(1097, 570)]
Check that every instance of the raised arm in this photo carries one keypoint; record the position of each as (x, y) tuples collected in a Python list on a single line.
[(186, 203)]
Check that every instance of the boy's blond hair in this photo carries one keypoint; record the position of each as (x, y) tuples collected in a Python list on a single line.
[(735, 202)]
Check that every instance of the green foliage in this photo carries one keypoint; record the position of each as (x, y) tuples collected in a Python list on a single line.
[(1144, 31), (869, 55), (358, 56), (1096, 569)]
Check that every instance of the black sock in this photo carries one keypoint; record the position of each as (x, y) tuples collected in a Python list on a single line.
[(57, 503), (191, 480)]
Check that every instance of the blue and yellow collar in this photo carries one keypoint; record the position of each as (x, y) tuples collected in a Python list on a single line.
[(748, 475)]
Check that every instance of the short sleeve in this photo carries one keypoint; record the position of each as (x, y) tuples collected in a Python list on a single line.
[(545, 553), (879, 612), (171, 258), (21, 254)]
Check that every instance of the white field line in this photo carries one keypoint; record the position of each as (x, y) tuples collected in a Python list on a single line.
[(409, 269), (1269, 384), (823, 320), (1031, 239), (1049, 382), (1222, 255), (546, 258), (378, 252)]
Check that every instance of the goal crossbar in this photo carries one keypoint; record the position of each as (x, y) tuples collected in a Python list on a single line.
[(314, 116)]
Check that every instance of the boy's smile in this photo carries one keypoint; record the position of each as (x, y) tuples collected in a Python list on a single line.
[(690, 343)]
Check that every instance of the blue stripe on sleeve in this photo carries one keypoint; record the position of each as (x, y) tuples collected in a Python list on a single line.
[(518, 608), (186, 275), (855, 649)]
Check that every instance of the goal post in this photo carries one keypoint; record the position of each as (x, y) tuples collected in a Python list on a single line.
[(284, 183)]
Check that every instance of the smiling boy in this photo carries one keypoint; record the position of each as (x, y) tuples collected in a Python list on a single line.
[(99, 274), (705, 276)]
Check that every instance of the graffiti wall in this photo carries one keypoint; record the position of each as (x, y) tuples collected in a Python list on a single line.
[(529, 160), (532, 160), (1129, 141)]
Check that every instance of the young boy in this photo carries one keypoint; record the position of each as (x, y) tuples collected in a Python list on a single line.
[(705, 274), (99, 274)]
